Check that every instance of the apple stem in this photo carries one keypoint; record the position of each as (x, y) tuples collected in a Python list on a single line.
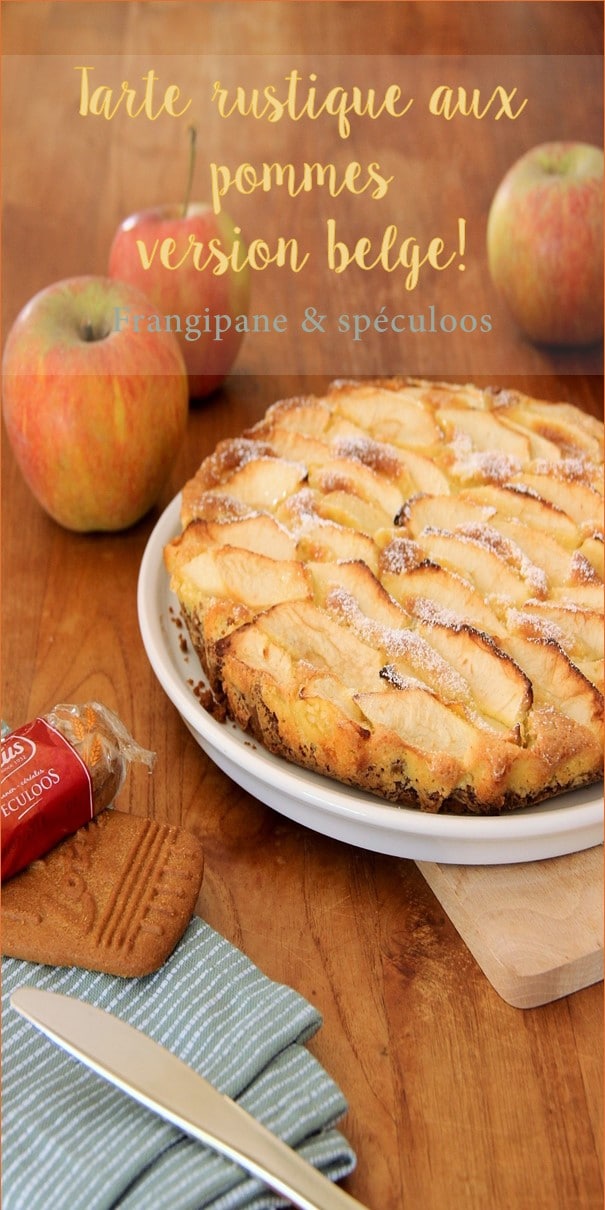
[(88, 332), (192, 140)]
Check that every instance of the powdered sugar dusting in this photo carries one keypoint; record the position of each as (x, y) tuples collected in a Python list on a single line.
[(534, 626), (399, 643), (582, 570), (432, 614), (234, 454), (377, 455), (500, 604), (507, 549), (401, 555), (492, 466), (302, 506), (569, 469)]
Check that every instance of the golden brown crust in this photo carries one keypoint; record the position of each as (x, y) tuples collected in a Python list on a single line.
[(400, 585)]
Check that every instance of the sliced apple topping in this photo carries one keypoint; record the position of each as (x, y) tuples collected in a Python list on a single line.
[(414, 659), (378, 456), (264, 482), (394, 416), (593, 670), (592, 549), (398, 554), (578, 631), (229, 457), (560, 425), (258, 532), (423, 511), (556, 680), (588, 596), (424, 473), (582, 571), (356, 581), (313, 639), (442, 755), (537, 556), (325, 685), (539, 446), (294, 446), (482, 560), (400, 585), (517, 500), (578, 500), (212, 506), (581, 629), (345, 508), (303, 414), (342, 429), (406, 654), (541, 550), (351, 475), (467, 467), (485, 432), (430, 591), (352, 595), (241, 576), (327, 541), (500, 689), (426, 723), (570, 470)]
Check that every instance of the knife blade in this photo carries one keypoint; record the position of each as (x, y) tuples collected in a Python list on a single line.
[(163, 1083)]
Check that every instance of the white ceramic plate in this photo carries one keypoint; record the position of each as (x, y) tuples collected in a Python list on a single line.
[(565, 824)]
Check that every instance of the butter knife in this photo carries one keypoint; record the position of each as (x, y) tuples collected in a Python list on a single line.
[(160, 1081)]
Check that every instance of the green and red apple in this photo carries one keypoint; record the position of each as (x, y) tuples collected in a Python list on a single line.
[(185, 290), (545, 243), (95, 413)]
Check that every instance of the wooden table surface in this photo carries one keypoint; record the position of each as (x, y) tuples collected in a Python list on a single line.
[(456, 1099)]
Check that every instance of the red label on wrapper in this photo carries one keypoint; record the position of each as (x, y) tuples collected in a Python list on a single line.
[(45, 794)]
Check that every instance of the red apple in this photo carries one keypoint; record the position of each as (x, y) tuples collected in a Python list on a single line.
[(95, 415), (186, 290), (545, 243)]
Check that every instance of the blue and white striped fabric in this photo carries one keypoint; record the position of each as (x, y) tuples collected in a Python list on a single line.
[(73, 1142)]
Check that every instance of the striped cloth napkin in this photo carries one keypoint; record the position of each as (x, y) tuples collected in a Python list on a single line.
[(73, 1142)]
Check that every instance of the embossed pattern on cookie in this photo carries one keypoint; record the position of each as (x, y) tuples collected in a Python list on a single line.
[(116, 897)]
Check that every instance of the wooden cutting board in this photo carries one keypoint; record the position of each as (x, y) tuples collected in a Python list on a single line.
[(536, 929)]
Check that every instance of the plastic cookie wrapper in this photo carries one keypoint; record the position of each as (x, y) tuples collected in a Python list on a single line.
[(58, 772)]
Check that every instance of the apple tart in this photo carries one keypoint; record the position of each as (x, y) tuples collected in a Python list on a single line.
[(399, 585)]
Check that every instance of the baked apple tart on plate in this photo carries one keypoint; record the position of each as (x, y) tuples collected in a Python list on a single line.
[(398, 586)]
